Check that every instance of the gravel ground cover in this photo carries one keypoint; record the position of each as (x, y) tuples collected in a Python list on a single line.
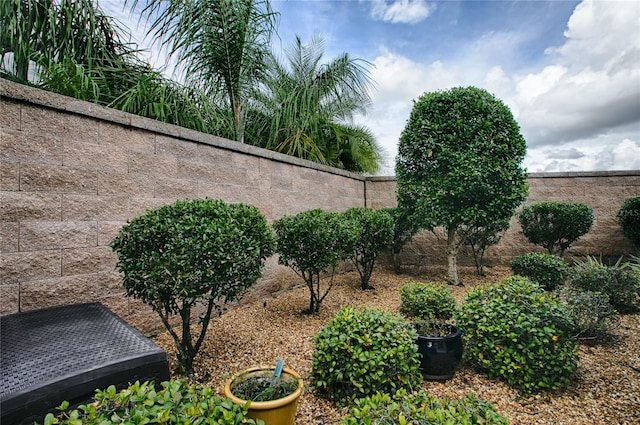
[(606, 389)]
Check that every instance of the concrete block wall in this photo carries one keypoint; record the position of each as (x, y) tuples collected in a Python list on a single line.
[(72, 173), (604, 192)]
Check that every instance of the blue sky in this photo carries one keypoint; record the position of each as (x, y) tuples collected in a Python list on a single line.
[(569, 70)]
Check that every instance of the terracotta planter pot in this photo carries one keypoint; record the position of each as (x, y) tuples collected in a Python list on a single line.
[(441, 355), (275, 412)]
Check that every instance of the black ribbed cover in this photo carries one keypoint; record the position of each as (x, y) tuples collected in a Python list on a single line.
[(66, 353)]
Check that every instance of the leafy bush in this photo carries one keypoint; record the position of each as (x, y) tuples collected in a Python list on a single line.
[(555, 226), (479, 238), (592, 315), (196, 251), (427, 301), (516, 331), (629, 219), (362, 351), (619, 282), (314, 242), (418, 408), (403, 232), (177, 403), (548, 270), (374, 234)]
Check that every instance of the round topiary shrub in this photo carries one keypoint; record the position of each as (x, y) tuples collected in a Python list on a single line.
[(516, 331), (197, 252), (427, 301), (363, 351), (629, 219), (420, 408), (593, 317), (549, 271), (176, 403), (620, 283)]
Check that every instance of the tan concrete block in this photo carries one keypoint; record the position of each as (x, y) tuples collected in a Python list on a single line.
[(29, 147), (140, 205), (107, 230), (213, 155), (110, 283), (44, 121), (125, 184), (245, 161), (63, 290), (25, 266), (90, 208), (9, 175), (152, 164), (9, 231), (9, 115), (197, 170), (87, 260), (128, 138), (9, 296), (173, 147), (30, 206), (175, 188), (94, 156), (50, 178), (41, 235), (82, 129)]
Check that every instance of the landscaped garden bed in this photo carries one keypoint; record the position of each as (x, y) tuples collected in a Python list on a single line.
[(606, 388)]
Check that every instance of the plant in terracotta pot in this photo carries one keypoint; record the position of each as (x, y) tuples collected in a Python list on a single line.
[(430, 307), (271, 393)]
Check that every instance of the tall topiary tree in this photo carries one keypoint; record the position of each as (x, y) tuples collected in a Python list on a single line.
[(555, 226), (190, 252), (374, 233), (459, 164), (312, 243), (629, 220)]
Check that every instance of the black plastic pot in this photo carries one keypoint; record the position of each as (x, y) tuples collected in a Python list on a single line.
[(441, 355)]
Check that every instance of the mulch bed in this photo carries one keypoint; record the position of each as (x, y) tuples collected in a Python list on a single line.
[(606, 389)]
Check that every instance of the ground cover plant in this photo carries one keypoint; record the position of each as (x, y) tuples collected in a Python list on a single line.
[(603, 391), (176, 403)]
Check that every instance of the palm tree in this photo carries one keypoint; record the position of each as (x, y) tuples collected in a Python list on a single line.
[(221, 44), (38, 33), (304, 108)]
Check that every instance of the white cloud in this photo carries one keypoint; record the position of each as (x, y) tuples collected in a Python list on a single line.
[(401, 11)]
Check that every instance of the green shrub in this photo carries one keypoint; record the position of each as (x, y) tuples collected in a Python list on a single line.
[(177, 404), (418, 408), (199, 251), (548, 270), (313, 243), (479, 238), (555, 226), (403, 231), (516, 331), (592, 316), (618, 282), (629, 219), (362, 351), (374, 234), (427, 301)]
